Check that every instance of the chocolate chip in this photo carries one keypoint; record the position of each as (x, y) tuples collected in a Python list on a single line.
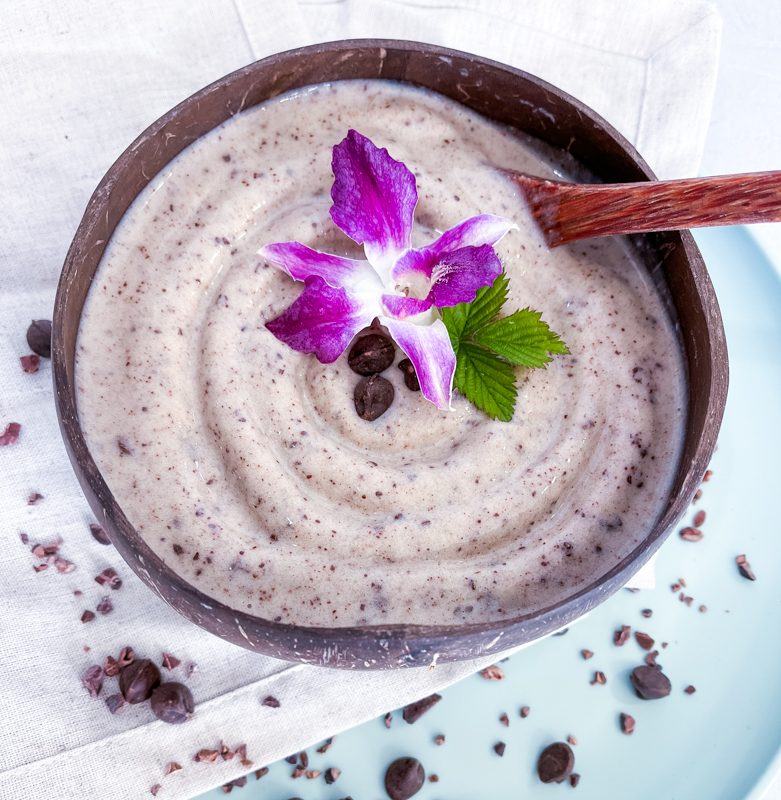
[(414, 711), (505, 720), (691, 535), (745, 568), (525, 712), (621, 637), (98, 534), (88, 616), (105, 606), (115, 702), (574, 779), (555, 763), (373, 397), (404, 778), (587, 654), (92, 680), (271, 702), (170, 662), (329, 743), (440, 739), (30, 364), (650, 683), (332, 774), (11, 434), (138, 680), (599, 677), (388, 719), (499, 748), (644, 640), (493, 673), (627, 724), (109, 578), (173, 703), (410, 376), (371, 354), (647, 613), (39, 337)]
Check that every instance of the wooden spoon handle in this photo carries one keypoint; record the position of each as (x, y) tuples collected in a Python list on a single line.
[(566, 212)]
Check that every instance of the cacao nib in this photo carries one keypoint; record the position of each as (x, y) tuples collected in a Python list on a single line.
[(574, 779), (329, 743), (627, 724), (505, 720), (88, 616), (525, 712), (173, 703), (650, 683), (261, 773), (11, 434), (586, 654), (499, 748), (92, 680), (493, 673), (126, 656), (170, 662), (98, 534), (410, 376), (371, 354), (745, 568), (155, 789), (388, 719), (39, 337), (34, 499), (30, 364), (414, 711), (332, 775), (138, 680), (115, 702), (440, 739), (573, 740), (699, 518), (105, 606), (63, 566), (650, 659), (555, 763), (690, 690), (373, 396), (110, 578), (404, 778), (172, 767), (206, 756), (621, 637), (644, 640), (599, 678), (271, 702), (691, 535)]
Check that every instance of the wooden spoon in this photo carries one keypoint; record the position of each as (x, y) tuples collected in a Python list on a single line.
[(566, 212)]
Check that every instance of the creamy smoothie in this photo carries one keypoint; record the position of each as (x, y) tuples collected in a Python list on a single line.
[(243, 463)]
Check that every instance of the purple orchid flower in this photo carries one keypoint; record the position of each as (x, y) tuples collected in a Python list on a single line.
[(401, 286)]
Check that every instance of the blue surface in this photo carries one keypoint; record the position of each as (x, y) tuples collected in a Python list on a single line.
[(721, 742)]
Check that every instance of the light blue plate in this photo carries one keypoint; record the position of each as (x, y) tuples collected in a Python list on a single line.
[(723, 741)]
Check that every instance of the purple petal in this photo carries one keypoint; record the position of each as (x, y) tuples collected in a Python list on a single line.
[(323, 320), (403, 307), (429, 349), (374, 199), (456, 276), (301, 262), (472, 232)]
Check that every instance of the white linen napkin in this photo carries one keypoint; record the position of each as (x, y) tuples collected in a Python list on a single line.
[(78, 81)]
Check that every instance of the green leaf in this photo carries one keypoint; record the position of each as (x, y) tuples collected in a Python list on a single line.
[(464, 319), (486, 380), (522, 338)]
